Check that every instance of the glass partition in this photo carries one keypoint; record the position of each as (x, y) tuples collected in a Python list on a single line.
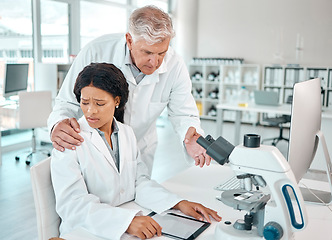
[(99, 19), (54, 31), (15, 36)]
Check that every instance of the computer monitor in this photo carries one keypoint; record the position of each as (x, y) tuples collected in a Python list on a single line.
[(305, 134), (16, 79)]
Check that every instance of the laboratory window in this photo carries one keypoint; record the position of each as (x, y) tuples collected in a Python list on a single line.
[(118, 1), (54, 31), (15, 34), (26, 54), (162, 4), (15, 47)]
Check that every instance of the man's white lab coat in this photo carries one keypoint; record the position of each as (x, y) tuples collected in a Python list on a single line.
[(169, 86), (88, 186)]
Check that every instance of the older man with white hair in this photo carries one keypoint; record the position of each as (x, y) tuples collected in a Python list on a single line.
[(157, 78)]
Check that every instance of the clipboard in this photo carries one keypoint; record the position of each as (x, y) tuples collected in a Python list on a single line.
[(178, 226)]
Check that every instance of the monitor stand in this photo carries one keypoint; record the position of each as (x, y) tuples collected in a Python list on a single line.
[(324, 197), (13, 98)]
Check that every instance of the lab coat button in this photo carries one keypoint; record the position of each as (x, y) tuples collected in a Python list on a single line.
[(122, 191)]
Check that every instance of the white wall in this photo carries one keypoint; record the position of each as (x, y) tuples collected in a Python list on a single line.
[(185, 20), (266, 31)]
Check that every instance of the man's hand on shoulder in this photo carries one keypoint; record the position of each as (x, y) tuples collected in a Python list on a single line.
[(65, 134)]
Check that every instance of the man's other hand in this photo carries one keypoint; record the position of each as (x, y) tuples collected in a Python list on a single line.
[(194, 150)]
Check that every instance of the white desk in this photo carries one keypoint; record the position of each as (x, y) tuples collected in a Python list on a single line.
[(196, 184), (8, 118), (282, 109)]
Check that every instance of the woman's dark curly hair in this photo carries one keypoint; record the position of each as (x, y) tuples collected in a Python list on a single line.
[(107, 77)]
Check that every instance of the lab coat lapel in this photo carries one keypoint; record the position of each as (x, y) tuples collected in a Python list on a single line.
[(122, 149), (126, 141), (98, 142)]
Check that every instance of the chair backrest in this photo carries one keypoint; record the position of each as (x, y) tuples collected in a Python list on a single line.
[(34, 109), (48, 221)]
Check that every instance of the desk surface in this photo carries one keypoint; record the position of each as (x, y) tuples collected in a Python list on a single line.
[(196, 184), (8, 117), (281, 109)]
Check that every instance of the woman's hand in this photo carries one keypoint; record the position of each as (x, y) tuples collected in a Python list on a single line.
[(144, 227), (197, 211)]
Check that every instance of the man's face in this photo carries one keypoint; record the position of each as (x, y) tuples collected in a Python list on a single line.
[(147, 58)]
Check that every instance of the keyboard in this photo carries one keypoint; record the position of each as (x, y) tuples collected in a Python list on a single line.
[(229, 184)]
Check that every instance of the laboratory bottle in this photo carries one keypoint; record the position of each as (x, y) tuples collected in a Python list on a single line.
[(243, 97)]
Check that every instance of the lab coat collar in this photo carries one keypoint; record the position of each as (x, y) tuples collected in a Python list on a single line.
[(150, 79), (97, 141), (120, 50), (120, 55)]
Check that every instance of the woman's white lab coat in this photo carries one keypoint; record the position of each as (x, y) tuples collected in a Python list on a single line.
[(169, 86), (88, 187)]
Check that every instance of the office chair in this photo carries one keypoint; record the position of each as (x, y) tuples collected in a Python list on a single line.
[(34, 109), (48, 221), (278, 121)]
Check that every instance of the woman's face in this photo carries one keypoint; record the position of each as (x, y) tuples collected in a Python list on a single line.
[(98, 107)]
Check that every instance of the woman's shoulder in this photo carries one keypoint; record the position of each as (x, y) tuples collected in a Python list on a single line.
[(59, 158)]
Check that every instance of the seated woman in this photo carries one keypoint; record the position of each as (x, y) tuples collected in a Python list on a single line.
[(106, 170)]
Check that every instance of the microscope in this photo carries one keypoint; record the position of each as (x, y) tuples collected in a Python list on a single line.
[(269, 193)]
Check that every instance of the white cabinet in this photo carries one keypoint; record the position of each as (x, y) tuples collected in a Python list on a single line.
[(205, 89), (50, 76), (217, 83)]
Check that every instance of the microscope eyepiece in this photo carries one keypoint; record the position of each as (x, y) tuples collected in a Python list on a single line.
[(252, 140), (219, 149)]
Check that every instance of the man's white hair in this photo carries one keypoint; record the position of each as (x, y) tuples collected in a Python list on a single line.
[(151, 24)]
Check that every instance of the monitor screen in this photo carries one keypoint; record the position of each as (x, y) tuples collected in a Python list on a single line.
[(305, 125), (16, 78)]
